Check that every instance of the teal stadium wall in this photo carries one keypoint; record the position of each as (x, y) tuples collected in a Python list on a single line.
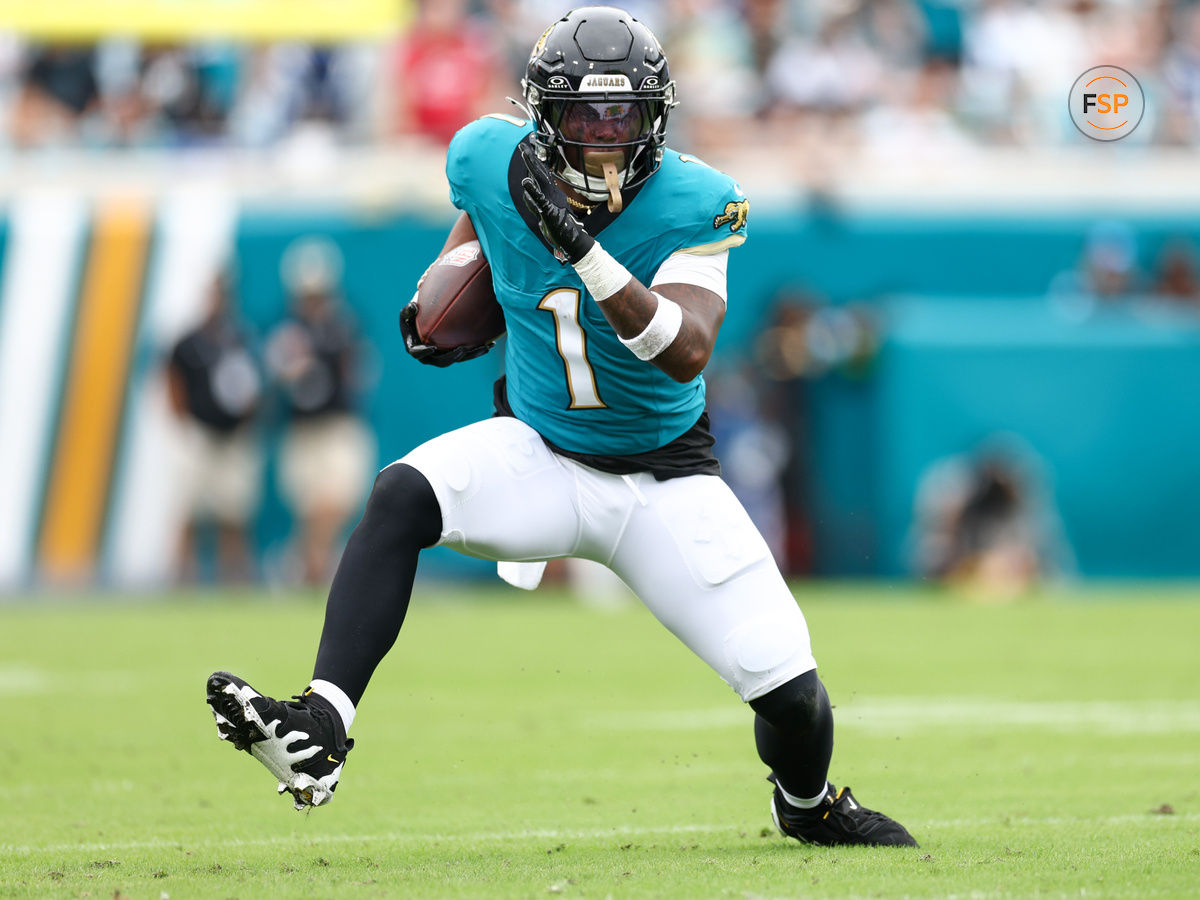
[(971, 348)]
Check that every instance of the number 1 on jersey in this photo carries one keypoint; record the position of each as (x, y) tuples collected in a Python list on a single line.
[(572, 347)]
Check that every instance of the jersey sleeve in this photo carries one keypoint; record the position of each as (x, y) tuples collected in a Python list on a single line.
[(707, 271), (724, 229), (472, 154), (458, 165), (719, 222)]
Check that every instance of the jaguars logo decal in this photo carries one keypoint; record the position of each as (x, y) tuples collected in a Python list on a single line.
[(541, 43), (734, 216)]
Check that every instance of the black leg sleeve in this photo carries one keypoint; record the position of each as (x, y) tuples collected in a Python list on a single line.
[(793, 729), (373, 583)]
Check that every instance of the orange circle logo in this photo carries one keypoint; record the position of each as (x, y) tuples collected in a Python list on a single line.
[(1106, 103)]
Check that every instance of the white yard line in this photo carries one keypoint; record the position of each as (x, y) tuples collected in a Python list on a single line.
[(893, 715), (23, 680), (874, 715), (559, 834)]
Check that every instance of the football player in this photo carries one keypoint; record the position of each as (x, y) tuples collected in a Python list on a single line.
[(608, 255)]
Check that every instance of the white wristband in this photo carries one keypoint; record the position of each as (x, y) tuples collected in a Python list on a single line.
[(602, 275), (661, 331)]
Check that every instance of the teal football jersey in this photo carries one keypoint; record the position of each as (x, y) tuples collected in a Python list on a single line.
[(568, 375)]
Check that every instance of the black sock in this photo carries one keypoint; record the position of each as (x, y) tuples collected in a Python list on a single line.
[(371, 589), (793, 730)]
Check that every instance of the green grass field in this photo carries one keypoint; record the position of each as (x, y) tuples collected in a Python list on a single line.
[(520, 745)]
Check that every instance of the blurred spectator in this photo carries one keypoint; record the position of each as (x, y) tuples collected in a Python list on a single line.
[(294, 86), (712, 53), (833, 69), (509, 24), (803, 341), (918, 121), (1178, 275), (983, 521), (753, 449), (750, 73), (1106, 272), (58, 88), (444, 71), (328, 452), (185, 92), (807, 338), (214, 387), (1181, 72), (1021, 59)]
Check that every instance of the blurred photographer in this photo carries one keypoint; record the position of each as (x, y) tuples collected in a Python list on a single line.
[(215, 390)]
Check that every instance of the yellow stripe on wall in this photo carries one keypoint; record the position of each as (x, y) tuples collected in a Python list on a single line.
[(183, 20), (81, 466)]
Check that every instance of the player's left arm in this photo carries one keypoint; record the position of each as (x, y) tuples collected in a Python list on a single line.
[(672, 326)]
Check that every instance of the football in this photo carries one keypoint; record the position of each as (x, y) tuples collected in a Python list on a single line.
[(456, 304)]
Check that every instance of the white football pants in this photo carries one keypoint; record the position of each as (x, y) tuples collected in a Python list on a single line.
[(685, 546)]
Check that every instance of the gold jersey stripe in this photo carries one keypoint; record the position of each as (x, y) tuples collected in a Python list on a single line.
[(734, 240)]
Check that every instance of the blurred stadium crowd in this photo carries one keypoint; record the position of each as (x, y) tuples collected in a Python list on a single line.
[(892, 76)]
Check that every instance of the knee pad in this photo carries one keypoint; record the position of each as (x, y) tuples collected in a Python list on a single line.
[(797, 704), (763, 651), (402, 498)]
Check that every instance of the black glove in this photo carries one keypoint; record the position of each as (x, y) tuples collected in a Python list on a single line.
[(427, 353), (547, 201)]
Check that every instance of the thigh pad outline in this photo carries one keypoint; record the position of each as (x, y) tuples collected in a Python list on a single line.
[(713, 532)]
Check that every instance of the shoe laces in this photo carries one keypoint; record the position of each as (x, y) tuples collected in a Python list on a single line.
[(851, 815), (842, 809), (838, 808), (318, 711)]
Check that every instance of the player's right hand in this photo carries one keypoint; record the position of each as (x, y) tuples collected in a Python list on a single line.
[(547, 201), (427, 353)]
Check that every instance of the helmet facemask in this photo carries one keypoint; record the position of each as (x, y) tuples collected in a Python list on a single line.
[(602, 146)]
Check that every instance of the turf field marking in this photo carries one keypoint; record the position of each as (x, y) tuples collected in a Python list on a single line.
[(393, 837), (1090, 717), (908, 714), (1140, 819), (19, 680)]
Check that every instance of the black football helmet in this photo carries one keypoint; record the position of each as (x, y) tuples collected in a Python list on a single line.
[(598, 89)]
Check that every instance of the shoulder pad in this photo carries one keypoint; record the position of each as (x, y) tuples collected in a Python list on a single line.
[(721, 209)]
